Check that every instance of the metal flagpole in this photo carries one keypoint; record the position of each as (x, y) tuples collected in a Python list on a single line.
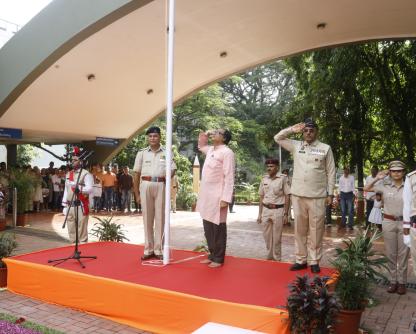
[(169, 112)]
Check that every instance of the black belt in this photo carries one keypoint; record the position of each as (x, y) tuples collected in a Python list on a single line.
[(273, 206)]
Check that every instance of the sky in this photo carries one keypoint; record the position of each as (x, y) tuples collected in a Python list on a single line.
[(21, 11)]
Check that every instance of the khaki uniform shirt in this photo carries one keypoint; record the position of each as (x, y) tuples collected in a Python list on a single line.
[(149, 163), (314, 166), (392, 197), (274, 190)]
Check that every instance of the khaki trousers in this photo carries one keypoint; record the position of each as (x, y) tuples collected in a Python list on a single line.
[(82, 226), (152, 195), (413, 247), (396, 251), (272, 223), (309, 218)]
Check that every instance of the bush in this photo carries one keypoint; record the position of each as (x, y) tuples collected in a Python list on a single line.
[(311, 307), (105, 230), (186, 198), (357, 265), (7, 245)]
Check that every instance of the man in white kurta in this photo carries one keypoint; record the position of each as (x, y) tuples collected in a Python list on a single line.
[(84, 189), (216, 192)]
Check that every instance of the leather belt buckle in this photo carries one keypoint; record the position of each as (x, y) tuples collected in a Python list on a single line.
[(154, 179)]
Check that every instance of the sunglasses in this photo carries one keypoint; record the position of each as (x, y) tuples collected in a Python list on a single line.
[(396, 171)]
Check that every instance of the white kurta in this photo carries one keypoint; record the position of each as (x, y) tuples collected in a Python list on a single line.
[(217, 181)]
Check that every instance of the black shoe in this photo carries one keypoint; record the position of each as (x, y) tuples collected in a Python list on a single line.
[(147, 256), (298, 266), (159, 256), (315, 268), (414, 328)]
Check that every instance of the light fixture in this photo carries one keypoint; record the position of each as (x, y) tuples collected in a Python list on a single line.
[(91, 77), (149, 91), (223, 54), (321, 26)]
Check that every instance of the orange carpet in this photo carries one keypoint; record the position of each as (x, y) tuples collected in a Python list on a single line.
[(177, 298)]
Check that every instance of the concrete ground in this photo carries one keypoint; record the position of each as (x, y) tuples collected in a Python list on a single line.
[(392, 313)]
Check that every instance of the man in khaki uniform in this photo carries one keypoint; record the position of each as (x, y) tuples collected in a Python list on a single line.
[(312, 189), (274, 193), (149, 176), (84, 189)]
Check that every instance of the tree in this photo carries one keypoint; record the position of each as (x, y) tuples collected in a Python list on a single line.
[(25, 154)]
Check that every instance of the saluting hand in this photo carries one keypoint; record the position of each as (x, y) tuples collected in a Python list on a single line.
[(298, 128), (381, 175)]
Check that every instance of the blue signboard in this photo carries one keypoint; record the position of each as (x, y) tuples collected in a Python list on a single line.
[(102, 141), (10, 133)]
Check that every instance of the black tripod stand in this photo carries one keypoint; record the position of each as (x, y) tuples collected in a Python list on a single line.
[(75, 201)]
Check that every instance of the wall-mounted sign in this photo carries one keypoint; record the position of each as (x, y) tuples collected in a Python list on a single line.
[(102, 141), (10, 133)]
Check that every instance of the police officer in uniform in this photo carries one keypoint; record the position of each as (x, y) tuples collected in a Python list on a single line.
[(84, 189), (391, 186), (274, 193), (312, 189), (149, 177), (409, 217)]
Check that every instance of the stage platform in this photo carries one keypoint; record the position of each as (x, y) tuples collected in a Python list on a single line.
[(177, 298)]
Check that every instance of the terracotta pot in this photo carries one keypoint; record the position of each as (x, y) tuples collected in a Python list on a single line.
[(21, 219), (3, 277), (193, 208), (348, 321), (2, 224)]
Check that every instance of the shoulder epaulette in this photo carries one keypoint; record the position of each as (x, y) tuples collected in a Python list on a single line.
[(411, 173)]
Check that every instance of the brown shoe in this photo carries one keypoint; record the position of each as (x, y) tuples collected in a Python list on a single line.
[(205, 261), (392, 288), (401, 289)]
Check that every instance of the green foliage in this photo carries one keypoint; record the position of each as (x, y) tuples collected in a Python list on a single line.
[(7, 245), (29, 324), (358, 265), (186, 199), (106, 230), (25, 154), (312, 309), (25, 183), (247, 192)]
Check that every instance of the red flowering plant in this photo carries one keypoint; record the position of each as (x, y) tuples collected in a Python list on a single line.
[(312, 309)]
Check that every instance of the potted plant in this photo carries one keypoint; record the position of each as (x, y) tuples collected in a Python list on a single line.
[(357, 265), (7, 245), (312, 308), (106, 230), (24, 183)]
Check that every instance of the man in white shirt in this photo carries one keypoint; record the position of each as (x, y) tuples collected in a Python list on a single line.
[(369, 198), (409, 217), (346, 188)]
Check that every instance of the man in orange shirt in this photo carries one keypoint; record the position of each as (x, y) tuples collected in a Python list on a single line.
[(109, 181)]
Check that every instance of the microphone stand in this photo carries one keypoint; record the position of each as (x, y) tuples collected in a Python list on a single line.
[(75, 201)]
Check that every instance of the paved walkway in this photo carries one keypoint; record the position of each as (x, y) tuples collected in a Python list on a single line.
[(393, 313)]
